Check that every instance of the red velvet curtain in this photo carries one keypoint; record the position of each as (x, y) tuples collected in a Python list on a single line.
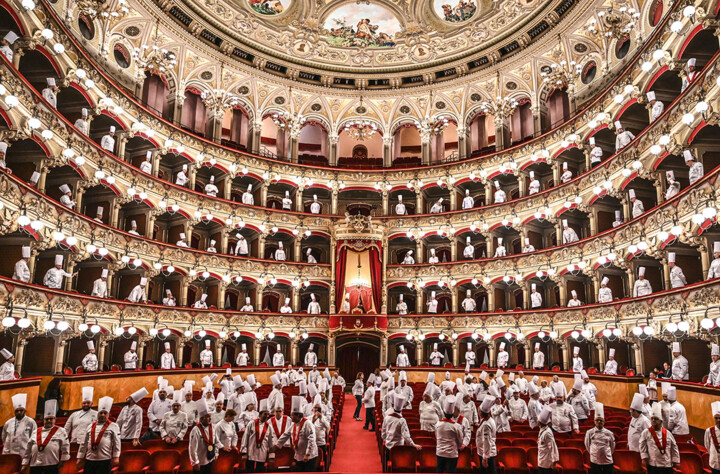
[(340, 264), (376, 275)]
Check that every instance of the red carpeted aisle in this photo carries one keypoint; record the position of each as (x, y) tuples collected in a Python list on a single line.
[(356, 449)]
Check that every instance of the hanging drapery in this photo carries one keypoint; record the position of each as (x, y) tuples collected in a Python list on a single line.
[(358, 272)]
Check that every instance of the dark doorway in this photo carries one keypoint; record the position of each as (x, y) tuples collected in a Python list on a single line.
[(357, 354)]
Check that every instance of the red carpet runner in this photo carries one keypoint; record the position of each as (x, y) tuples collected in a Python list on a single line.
[(356, 449)]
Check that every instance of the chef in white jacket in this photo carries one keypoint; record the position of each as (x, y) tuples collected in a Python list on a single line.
[(169, 299), (175, 423), (82, 123), (468, 201), (6, 45), (656, 107), (534, 186), (286, 308), (137, 295), (310, 258), (147, 166), (538, 358), (611, 366), (564, 418), (623, 137), (247, 197), (255, 440), (22, 271), (663, 453), (50, 448), (3, 163), (66, 197), (437, 208), (618, 218), (211, 248), (677, 422), (468, 303), (469, 250), (108, 141), (604, 293), (210, 188), (241, 247), (100, 285), (314, 306), (642, 286), (206, 355), (470, 355), (569, 234), (311, 357), (402, 358), (536, 300), (436, 357), (673, 187), (315, 207), (596, 152), (517, 407), (712, 438), (50, 92), (78, 422), (400, 209), (638, 423), (131, 357), (203, 444), (181, 179), (248, 307), (55, 275), (697, 170), (133, 228), (90, 361), (679, 364), (302, 434), (567, 174), (500, 195), (500, 250), (201, 303), (408, 259), (432, 304), (677, 277), (577, 362), (130, 419), (713, 379), (691, 75), (404, 390), (167, 359), (18, 430), (503, 356), (278, 357), (433, 257), (287, 202), (528, 246), (574, 301), (280, 253)]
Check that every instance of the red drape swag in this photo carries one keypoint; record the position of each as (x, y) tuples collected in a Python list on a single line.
[(375, 275)]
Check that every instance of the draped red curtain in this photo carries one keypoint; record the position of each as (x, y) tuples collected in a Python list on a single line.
[(340, 265), (376, 275)]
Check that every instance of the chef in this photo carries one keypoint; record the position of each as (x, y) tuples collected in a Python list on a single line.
[(100, 449), (3, 151), (169, 299), (286, 308), (503, 356), (469, 250), (181, 179), (642, 286), (130, 358), (569, 234), (449, 436), (248, 307), (618, 218), (278, 357), (280, 253), (6, 45), (310, 258), (137, 295), (611, 366), (50, 448), (600, 443), (579, 401), (713, 379), (470, 355), (535, 407), (623, 138), (157, 409), (528, 246), (255, 442), (697, 170), (712, 435), (130, 419), (202, 302), (167, 360), (243, 358), (147, 166), (400, 209), (90, 361), (468, 303), (468, 201), (536, 299), (302, 434), (500, 195), (433, 257), (50, 92), (692, 74), (402, 358), (679, 364), (133, 228), (402, 307), (206, 355), (658, 450), (596, 152), (79, 421), (656, 107), (287, 202), (210, 188), (673, 185), (100, 285), (577, 362), (18, 430), (108, 142), (677, 277), (54, 276), (212, 248), (203, 442), (677, 421), (432, 304), (408, 259), (437, 208), (564, 419), (311, 356), (574, 301), (22, 271), (605, 293), (567, 174), (436, 357), (315, 207), (314, 306), (486, 435), (548, 454), (500, 250), (538, 358), (175, 422), (404, 390), (241, 247), (247, 197), (638, 423), (517, 407), (66, 198), (534, 186)]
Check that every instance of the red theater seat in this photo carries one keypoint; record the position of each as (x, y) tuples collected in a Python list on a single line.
[(524, 443), (571, 461), (427, 459), (226, 462), (402, 459), (164, 461), (284, 458), (10, 463), (137, 461), (185, 465), (690, 463), (627, 461), (512, 460)]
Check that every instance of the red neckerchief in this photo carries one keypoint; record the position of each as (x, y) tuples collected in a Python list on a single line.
[(691, 76), (297, 427), (41, 444), (662, 447), (275, 427), (258, 436), (395, 415), (209, 437), (448, 420), (94, 442), (460, 418), (713, 435)]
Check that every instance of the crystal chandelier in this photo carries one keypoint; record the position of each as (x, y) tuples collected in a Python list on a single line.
[(614, 22), (434, 125), (561, 74), (501, 107), (290, 122), (154, 58), (219, 99), (360, 129), (103, 10)]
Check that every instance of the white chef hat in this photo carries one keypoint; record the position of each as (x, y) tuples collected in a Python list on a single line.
[(576, 350), (212, 178), (605, 280), (311, 347), (3, 147), (584, 374), (100, 210), (533, 286), (302, 387), (497, 184), (402, 348), (402, 376), (296, 404), (58, 259), (599, 410), (435, 346), (251, 379), (432, 294), (90, 345), (487, 403), (50, 408), (26, 251), (500, 240), (618, 125), (565, 165), (591, 141), (19, 400), (201, 407), (287, 300), (532, 389), (577, 384), (574, 293), (203, 297), (656, 411), (532, 175), (651, 96), (692, 61), (511, 377), (672, 394), (671, 257), (618, 214), (687, 154), (611, 352), (714, 350), (642, 390), (212, 242), (399, 402), (432, 251), (559, 389), (112, 128), (185, 167), (401, 296), (449, 404), (638, 402), (565, 223), (249, 187), (670, 175), (143, 281), (537, 345), (50, 81), (315, 197), (502, 346), (35, 177), (167, 345), (545, 416), (104, 273), (87, 394), (278, 347), (676, 347), (641, 271), (274, 379), (142, 393), (11, 37), (527, 240), (715, 407), (440, 200), (64, 189), (105, 404), (247, 300), (207, 342), (182, 236), (632, 193)]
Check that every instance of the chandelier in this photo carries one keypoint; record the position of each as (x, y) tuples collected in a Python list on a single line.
[(103, 10), (290, 122), (562, 74), (501, 107), (360, 129), (434, 125), (219, 99), (614, 22), (152, 57)]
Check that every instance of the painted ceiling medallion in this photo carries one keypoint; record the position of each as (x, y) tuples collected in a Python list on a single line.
[(269, 7), (455, 11), (362, 26)]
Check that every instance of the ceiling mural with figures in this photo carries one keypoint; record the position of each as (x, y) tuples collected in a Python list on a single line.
[(362, 26), (455, 11), (269, 7)]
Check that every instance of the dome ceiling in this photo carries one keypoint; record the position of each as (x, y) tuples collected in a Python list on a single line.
[(385, 35)]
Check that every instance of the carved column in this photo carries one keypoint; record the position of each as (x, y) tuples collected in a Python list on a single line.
[(456, 353), (294, 352), (526, 295), (192, 174), (384, 351), (454, 250), (59, 354), (333, 141), (263, 195), (102, 344), (296, 301), (299, 199), (596, 288), (140, 353), (563, 293), (528, 354), (453, 199), (462, 146), (425, 148), (704, 260), (227, 187), (454, 303), (20, 354), (419, 202), (219, 343), (601, 354), (256, 137), (184, 284), (331, 350), (593, 221), (385, 203), (420, 252), (502, 132), (222, 287), (522, 184), (257, 347), (492, 352), (639, 362), (334, 202), (261, 246), (666, 273), (122, 141), (179, 352), (79, 192), (491, 298), (387, 151), (559, 231), (564, 353), (418, 353)]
